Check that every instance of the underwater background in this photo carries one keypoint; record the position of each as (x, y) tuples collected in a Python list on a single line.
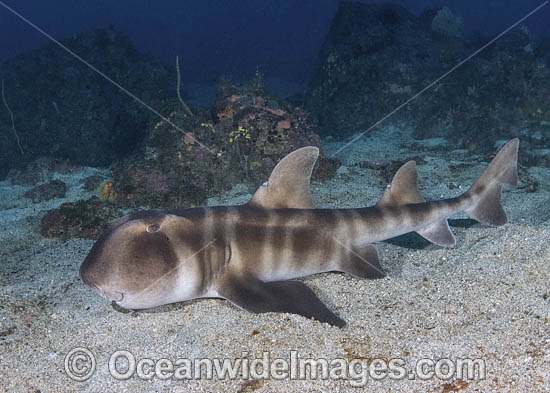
[(111, 107)]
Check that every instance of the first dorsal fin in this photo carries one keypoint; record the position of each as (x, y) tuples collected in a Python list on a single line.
[(288, 185), (403, 188)]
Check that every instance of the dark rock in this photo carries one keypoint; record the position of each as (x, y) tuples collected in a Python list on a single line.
[(45, 192), (376, 57), (91, 183), (381, 164), (369, 64), (65, 110), (532, 187), (40, 170), (84, 219)]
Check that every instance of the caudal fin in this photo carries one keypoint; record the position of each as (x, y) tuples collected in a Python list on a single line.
[(485, 193)]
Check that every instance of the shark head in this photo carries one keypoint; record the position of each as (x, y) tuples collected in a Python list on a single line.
[(150, 258), (136, 264)]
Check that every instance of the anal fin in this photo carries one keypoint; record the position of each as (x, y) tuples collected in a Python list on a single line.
[(293, 297), (362, 262), (439, 233)]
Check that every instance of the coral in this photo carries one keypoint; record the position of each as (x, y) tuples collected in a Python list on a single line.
[(227, 113), (239, 133), (106, 191), (239, 140)]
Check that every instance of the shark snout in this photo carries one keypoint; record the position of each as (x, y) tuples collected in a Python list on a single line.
[(106, 292)]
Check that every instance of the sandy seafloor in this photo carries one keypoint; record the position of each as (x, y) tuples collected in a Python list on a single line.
[(488, 297)]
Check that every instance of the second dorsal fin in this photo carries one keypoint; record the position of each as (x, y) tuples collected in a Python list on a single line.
[(403, 188), (288, 185)]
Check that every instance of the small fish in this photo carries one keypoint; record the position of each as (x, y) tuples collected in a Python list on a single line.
[(251, 254)]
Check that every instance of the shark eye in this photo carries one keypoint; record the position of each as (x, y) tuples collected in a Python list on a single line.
[(153, 228)]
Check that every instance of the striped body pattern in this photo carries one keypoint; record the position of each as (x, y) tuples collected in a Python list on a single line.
[(251, 254)]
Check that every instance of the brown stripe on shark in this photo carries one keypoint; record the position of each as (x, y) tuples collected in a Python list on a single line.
[(327, 226), (346, 253), (302, 240), (275, 235), (193, 249), (347, 221), (373, 220), (205, 258), (341, 238), (242, 253), (262, 233), (203, 268), (357, 225), (264, 254), (305, 245)]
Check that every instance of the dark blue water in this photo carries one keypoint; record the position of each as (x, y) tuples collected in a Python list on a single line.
[(233, 37)]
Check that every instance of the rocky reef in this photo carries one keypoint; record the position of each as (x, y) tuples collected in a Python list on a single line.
[(239, 140), (63, 109), (190, 155), (377, 56)]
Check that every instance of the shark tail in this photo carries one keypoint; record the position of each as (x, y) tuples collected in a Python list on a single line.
[(485, 193)]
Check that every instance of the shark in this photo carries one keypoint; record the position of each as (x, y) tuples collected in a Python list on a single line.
[(252, 254)]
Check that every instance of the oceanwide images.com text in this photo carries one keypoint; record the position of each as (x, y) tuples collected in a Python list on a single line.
[(80, 365)]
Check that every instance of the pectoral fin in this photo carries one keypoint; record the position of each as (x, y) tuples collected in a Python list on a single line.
[(293, 297)]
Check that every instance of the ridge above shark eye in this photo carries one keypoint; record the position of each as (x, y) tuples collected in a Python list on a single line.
[(153, 228)]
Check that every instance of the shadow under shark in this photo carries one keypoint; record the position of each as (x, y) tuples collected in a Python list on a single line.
[(249, 254)]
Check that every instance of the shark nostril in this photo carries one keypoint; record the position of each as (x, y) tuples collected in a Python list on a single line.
[(114, 295), (109, 295)]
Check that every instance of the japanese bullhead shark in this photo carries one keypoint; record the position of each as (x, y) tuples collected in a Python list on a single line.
[(251, 254)]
